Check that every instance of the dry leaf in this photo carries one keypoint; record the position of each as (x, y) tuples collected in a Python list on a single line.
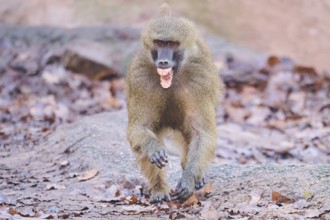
[(312, 213), (163, 207), (188, 216), (273, 60), (305, 70), (132, 199), (191, 200), (12, 211), (255, 196), (115, 103), (279, 198), (30, 213), (137, 209), (308, 195), (8, 192), (198, 195), (50, 77), (113, 191), (237, 113), (174, 205), (326, 207), (209, 212), (53, 186), (207, 188), (89, 174), (64, 163), (301, 204)]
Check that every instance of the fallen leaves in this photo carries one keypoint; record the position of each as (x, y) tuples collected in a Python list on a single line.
[(250, 206), (278, 198), (301, 204), (89, 174), (34, 105), (137, 209), (283, 107), (132, 201), (27, 214), (209, 212), (198, 195), (312, 213), (255, 196), (54, 186)]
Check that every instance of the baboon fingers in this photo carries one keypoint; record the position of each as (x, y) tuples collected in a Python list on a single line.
[(159, 158), (163, 156)]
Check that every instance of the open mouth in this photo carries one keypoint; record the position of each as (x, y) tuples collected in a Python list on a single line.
[(166, 76)]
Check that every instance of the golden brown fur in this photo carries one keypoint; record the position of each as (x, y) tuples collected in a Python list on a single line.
[(188, 106)]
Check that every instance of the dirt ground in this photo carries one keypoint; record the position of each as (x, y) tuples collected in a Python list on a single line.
[(86, 170)]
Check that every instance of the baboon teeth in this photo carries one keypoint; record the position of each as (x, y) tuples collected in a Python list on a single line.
[(163, 72)]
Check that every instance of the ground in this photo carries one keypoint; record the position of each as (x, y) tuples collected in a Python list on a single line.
[(64, 152)]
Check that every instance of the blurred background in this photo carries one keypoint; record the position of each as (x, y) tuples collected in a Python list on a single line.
[(299, 29), (60, 60)]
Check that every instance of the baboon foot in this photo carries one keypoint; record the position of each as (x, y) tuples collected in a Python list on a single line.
[(200, 183), (159, 197)]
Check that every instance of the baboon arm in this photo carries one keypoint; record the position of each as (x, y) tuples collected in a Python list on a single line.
[(143, 141), (202, 145), (200, 154)]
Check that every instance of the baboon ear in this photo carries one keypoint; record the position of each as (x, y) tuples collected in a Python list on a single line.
[(165, 10)]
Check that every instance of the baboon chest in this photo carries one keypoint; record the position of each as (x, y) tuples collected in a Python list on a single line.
[(172, 115)]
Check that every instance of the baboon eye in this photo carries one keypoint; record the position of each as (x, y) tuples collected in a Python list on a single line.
[(160, 43), (172, 44)]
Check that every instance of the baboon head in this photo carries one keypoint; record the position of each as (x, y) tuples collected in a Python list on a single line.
[(168, 40)]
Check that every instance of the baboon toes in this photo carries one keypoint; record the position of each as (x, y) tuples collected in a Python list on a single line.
[(159, 197), (199, 184), (184, 189)]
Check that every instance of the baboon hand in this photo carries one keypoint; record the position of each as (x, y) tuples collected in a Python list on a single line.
[(184, 189), (159, 158)]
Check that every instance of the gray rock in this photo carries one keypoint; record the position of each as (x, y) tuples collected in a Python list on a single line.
[(95, 51), (99, 143)]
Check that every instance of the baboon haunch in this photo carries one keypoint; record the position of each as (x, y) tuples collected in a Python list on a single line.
[(172, 85)]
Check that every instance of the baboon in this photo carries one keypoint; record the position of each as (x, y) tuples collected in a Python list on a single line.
[(172, 85)]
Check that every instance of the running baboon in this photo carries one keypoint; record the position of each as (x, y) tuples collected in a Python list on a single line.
[(172, 85)]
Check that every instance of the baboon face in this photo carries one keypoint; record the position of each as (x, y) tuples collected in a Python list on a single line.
[(168, 39), (167, 57)]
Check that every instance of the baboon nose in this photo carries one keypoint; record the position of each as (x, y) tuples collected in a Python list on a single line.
[(163, 64)]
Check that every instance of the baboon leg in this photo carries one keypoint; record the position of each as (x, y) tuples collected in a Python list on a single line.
[(157, 181), (201, 149)]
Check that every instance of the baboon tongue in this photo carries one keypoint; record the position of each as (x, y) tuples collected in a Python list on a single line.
[(166, 76)]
